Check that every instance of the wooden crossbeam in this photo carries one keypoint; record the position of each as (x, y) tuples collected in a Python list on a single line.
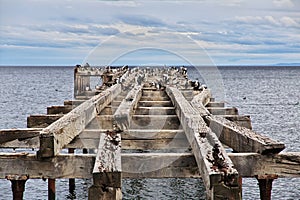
[(210, 155), (239, 138), (59, 109), (285, 165), (63, 131), (42, 121), (7, 135), (242, 139), (159, 165)]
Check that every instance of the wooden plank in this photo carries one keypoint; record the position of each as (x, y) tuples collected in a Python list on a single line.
[(7, 135), (211, 158), (241, 120), (238, 138), (107, 171), (216, 104), (63, 131), (242, 139), (155, 144), (41, 121), (136, 134), (107, 168), (31, 143), (285, 164), (73, 102), (155, 111), (155, 103), (222, 111), (59, 109), (159, 165), (61, 166), (123, 115)]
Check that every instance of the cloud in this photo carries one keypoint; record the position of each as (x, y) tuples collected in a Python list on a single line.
[(267, 20), (283, 3), (141, 20), (289, 22)]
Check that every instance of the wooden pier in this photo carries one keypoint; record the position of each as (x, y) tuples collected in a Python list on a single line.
[(142, 123)]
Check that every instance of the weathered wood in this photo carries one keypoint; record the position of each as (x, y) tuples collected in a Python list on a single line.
[(285, 164), (242, 139), (58, 109), (41, 121), (155, 103), (30, 143), (123, 115), (132, 134), (238, 138), (60, 133), (155, 111), (241, 120), (215, 104), (222, 111), (60, 166), (7, 135), (159, 165), (211, 157), (107, 169), (73, 102)]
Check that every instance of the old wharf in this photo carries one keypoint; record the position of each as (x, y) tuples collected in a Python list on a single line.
[(178, 128)]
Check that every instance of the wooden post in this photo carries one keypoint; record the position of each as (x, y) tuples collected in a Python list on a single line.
[(265, 185), (51, 189), (71, 180), (107, 176), (17, 186)]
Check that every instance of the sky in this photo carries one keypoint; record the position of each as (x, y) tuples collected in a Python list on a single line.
[(202, 32)]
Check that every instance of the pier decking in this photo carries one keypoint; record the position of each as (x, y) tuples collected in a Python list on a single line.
[(142, 123)]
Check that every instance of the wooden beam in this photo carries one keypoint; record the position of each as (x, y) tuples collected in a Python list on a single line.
[(159, 165), (241, 120), (7, 135), (59, 109), (136, 134), (222, 111), (285, 164), (123, 115), (63, 131), (215, 166), (107, 175), (237, 137), (242, 139), (60, 166), (41, 121)]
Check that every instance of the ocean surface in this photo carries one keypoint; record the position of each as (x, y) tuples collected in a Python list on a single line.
[(270, 95)]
